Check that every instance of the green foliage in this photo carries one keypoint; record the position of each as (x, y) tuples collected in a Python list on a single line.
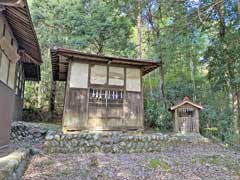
[(197, 62), (154, 163), (217, 123), (156, 115), (90, 26)]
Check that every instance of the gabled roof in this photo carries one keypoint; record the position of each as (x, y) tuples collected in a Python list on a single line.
[(59, 67), (186, 100), (18, 16)]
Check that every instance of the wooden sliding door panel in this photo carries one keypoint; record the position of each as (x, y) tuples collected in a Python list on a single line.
[(133, 111)]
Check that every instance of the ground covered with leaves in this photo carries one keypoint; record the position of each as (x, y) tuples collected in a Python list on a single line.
[(182, 161)]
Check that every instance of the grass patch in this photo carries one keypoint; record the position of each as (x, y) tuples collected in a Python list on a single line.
[(193, 161), (214, 160), (232, 165), (165, 166), (203, 161), (154, 163)]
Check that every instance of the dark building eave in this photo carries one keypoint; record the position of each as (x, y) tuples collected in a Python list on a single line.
[(18, 16), (146, 66)]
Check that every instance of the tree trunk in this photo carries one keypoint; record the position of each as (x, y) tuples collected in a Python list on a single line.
[(52, 98), (233, 90), (191, 64), (161, 83), (239, 9), (236, 115), (139, 29), (222, 21)]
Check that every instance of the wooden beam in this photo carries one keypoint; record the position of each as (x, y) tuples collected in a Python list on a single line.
[(23, 53), (15, 3), (2, 8)]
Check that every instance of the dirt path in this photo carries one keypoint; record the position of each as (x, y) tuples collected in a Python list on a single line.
[(186, 162)]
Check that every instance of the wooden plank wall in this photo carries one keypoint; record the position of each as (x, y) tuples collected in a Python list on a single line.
[(75, 111), (133, 112), (186, 123), (81, 114)]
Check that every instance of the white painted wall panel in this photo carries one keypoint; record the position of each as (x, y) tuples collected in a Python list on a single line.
[(4, 68), (133, 79), (12, 75), (98, 74), (116, 76), (79, 75)]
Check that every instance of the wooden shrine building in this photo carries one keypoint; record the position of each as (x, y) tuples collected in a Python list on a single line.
[(102, 92), (20, 61), (186, 116)]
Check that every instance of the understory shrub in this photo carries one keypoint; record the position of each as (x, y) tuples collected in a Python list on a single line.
[(156, 115)]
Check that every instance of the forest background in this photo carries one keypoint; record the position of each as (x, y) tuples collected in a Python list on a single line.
[(197, 43)]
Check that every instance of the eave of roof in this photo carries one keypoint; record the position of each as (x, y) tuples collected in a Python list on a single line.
[(147, 66), (18, 16)]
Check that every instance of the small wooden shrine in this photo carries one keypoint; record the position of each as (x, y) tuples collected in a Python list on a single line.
[(186, 116), (102, 92)]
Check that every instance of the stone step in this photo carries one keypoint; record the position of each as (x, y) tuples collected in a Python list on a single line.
[(4, 151)]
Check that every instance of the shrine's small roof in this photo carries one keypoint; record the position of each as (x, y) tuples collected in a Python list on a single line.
[(186, 100)]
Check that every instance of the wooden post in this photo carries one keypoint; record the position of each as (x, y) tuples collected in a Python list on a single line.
[(197, 121), (176, 124)]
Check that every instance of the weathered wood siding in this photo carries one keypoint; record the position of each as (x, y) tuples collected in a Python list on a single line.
[(186, 122), (75, 110), (106, 103), (133, 112), (7, 40)]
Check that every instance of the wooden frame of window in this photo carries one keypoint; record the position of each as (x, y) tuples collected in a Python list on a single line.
[(8, 71), (19, 81), (4, 29)]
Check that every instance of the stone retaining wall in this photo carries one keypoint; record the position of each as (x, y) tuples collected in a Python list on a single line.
[(114, 142), (22, 131), (100, 142), (12, 167)]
